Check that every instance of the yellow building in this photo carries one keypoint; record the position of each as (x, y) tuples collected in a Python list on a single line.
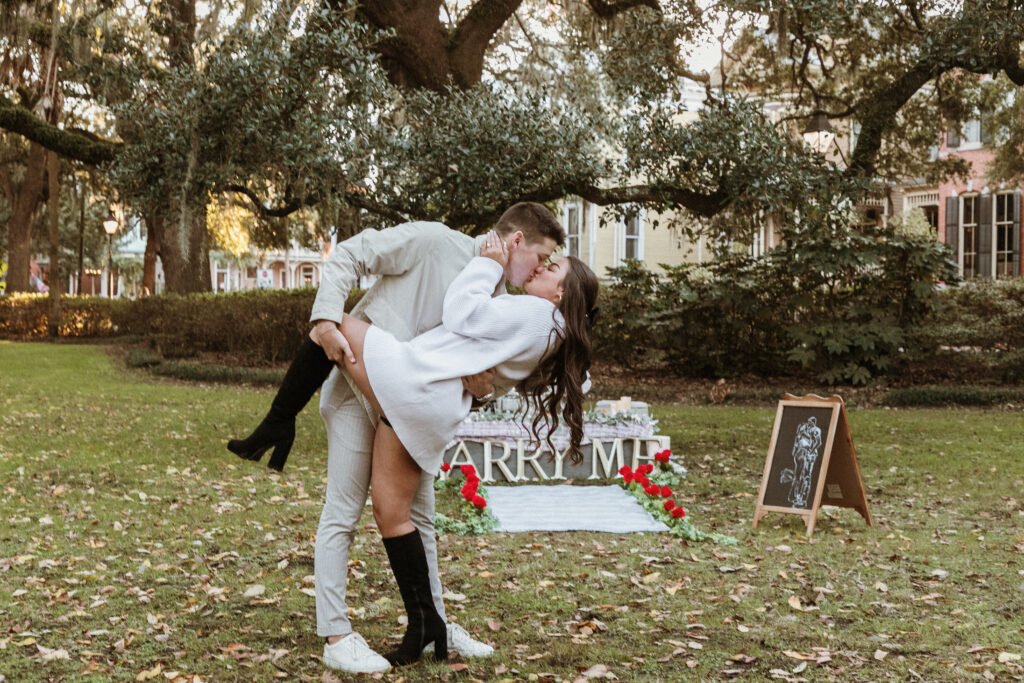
[(607, 246)]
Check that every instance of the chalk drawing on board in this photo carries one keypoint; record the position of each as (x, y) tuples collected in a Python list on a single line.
[(806, 445)]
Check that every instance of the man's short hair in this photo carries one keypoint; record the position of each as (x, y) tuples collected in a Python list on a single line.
[(533, 220)]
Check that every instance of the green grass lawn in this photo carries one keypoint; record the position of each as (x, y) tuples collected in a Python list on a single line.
[(134, 546)]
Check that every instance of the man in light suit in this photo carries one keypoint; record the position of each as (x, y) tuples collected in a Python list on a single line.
[(415, 263)]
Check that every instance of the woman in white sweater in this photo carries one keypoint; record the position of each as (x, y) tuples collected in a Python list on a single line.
[(539, 342)]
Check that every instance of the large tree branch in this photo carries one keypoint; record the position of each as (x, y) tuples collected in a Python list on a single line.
[(700, 203), (416, 55), (703, 204), (1015, 72), (289, 207), (886, 104), (354, 197), (607, 10), (6, 183), (468, 42), (79, 146)]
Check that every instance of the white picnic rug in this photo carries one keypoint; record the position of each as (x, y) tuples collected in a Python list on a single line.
[(568, 508)]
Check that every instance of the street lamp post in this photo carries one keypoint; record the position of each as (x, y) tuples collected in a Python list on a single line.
[(110, 227), (819, 133)]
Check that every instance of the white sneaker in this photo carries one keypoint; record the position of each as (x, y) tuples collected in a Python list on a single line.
[(353, 655), (467, 646)]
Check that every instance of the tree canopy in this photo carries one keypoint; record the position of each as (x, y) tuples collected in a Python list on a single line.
[(421, 109)]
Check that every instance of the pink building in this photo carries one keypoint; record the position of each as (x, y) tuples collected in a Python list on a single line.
[(979, 221)]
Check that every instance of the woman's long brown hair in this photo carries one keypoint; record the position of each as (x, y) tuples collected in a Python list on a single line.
[(561, 372)]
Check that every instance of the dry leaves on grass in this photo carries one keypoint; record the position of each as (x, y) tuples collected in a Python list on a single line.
[(596, 671)]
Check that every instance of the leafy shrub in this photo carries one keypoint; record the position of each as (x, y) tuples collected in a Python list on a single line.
[(622, 334), (842, 302), (981, 314), (859, 295), (729, 322), (142, 358)]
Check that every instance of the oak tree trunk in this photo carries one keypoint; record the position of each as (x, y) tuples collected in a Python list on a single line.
[(154, 230), (27, 196), (185, 251), (56, 284)]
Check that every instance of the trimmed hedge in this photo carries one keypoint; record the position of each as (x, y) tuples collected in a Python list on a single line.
[(258, 326), (736, 318), (202, 372), (941, 396)]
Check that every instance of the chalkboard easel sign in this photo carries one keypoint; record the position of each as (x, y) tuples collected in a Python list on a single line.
[(811, 461)]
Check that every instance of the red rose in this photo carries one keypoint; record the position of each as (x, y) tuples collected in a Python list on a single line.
[(652, 490), (669, 505), (627, 477), (468, 470), (678, 512), (479, 502), (469, 489), (666, 492), (663, 456), (642, 480), (648, 468), (445, 467), (625, 469)]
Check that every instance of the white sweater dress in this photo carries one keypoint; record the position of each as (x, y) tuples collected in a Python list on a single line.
[(418, 383)]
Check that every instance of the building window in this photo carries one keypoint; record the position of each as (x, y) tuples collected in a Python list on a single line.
[(631, 239), (972, 135), (1004, 234), (250, 272), (307, 276), (972, 132), (572, 231), (970, 209), (928, 203)]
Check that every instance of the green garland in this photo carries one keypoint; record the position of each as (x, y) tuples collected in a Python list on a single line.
[(491, 413), (667, 475)]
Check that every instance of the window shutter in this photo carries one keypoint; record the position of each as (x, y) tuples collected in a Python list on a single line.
[(1016, 232), (953, 226), (985, 237)]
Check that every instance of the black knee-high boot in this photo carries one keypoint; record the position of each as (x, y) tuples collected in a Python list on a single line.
[(307, 372), (409, 563)]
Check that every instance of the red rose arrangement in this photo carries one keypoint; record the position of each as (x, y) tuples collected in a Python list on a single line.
[(472, 485), (648, 491), (475, 517)]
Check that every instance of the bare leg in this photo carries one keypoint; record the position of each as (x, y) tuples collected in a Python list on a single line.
[(354, 330), (394, 480)]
